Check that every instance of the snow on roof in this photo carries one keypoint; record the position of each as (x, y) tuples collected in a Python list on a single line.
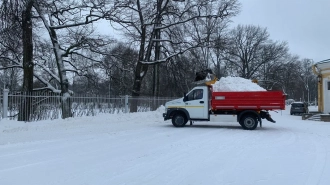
[(324, 61), (235, 84), (323, 65)]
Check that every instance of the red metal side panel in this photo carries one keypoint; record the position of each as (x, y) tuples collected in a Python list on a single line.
[(252, 100)]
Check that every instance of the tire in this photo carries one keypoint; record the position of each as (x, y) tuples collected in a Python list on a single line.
[(249, 122), (179, 120)]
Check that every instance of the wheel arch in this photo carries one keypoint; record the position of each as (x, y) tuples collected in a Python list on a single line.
[(243, 113), (172, 112)]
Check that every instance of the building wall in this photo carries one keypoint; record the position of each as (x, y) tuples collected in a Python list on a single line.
[(322, 70)]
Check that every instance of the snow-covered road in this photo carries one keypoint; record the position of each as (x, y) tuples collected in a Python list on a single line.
[(141, 148)]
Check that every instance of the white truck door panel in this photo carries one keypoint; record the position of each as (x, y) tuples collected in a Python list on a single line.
[(197, 103)]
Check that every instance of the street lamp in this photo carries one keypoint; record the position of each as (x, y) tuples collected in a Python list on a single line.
[(319, 78), (305, 81), (307, 93)]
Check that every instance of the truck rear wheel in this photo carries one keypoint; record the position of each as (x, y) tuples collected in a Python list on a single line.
[(249, 122), (179, 120)]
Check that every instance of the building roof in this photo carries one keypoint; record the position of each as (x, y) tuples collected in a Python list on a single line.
[(323, 65), (323, 61)]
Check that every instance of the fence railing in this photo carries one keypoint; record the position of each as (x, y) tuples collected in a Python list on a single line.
[(47, 106)]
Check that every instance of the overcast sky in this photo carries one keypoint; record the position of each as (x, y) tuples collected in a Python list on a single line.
[(304, 24)]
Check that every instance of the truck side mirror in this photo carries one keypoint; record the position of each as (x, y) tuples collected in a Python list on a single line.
[(185, 97)]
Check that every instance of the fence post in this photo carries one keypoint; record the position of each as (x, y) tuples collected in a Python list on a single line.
[(126, 103), (5, 102)]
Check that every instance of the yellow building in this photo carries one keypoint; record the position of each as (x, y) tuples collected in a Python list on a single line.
[(322, 70)]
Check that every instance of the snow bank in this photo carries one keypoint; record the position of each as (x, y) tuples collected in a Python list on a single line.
[(236, 84)]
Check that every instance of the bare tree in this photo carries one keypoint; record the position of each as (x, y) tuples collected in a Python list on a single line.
[(15, 13), (250, 49), (148, 23), (119, 67), (10, 59), (66, 23), (307, 79), (292, 75), (19, 14)]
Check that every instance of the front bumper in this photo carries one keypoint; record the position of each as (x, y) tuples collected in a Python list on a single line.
[(170, 112), (165, 116)]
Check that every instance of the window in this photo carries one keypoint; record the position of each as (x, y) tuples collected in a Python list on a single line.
[(329, 85), (297, 105), (198, 94), (195, 95)]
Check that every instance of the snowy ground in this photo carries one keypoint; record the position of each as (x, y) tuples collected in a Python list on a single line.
[(140, 148)]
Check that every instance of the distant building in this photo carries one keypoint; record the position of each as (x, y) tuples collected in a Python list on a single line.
[(322, 70)]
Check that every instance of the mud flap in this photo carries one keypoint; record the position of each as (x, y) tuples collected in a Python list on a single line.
[(267, 116)]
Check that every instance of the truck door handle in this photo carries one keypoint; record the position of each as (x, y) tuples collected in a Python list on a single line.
[(201, 102)]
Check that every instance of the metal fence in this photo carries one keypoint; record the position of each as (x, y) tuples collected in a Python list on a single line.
[(47, 106)]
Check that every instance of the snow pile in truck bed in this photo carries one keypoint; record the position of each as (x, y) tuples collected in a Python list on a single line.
[(236, 84)]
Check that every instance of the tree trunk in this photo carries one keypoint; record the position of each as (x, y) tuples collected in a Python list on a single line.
[(64, 82), (26, 107), (141, 70), (66, 106)]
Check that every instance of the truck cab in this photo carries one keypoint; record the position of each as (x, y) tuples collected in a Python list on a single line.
[(195, 105)]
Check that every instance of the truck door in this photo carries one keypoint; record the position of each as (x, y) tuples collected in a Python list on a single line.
[(197, 104)]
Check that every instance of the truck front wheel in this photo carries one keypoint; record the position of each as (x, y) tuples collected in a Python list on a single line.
[(249, 122), (179, 120)]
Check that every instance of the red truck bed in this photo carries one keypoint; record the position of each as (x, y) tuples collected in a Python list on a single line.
[(252, 100)]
